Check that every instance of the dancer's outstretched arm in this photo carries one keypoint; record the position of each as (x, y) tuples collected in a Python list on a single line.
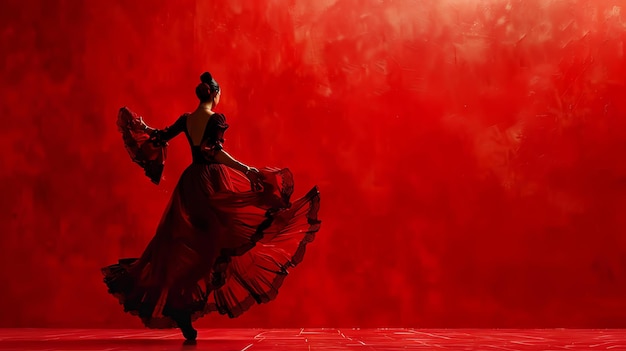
[(253, 174)]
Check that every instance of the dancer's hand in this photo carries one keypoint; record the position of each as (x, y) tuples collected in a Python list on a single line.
[(256, 179), (139, 125)]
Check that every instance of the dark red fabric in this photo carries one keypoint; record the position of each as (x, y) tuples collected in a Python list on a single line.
[(219, 246), (148, 155)]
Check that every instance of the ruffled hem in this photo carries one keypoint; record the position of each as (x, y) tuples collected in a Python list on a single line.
[(312, 197)]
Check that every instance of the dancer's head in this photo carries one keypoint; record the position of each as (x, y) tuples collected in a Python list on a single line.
[(208, 90)]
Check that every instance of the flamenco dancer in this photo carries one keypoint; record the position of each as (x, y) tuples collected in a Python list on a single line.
[(228, 234)]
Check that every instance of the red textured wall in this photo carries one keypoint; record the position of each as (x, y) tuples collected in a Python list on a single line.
[(470, 154)]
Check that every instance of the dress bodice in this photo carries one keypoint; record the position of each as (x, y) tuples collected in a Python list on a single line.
[(212, 138)]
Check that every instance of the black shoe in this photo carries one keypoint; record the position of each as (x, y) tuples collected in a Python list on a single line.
[(184, 323), (189, 333)]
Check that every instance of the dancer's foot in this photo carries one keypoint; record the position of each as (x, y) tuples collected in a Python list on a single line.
[(190, 333), (184, 323)]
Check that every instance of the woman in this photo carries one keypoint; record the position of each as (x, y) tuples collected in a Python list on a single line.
[(228, 234)]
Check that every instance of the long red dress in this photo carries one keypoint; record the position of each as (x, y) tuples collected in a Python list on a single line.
[(219, 245)]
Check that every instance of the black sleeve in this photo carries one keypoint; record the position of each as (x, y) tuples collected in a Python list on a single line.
[(162, 136)]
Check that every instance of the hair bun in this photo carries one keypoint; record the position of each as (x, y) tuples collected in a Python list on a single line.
[(208, 87), (206, 78)]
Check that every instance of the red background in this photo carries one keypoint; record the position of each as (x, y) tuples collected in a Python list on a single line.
[(470, 154)]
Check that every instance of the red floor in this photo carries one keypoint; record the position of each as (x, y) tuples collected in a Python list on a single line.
[(314, 339)]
